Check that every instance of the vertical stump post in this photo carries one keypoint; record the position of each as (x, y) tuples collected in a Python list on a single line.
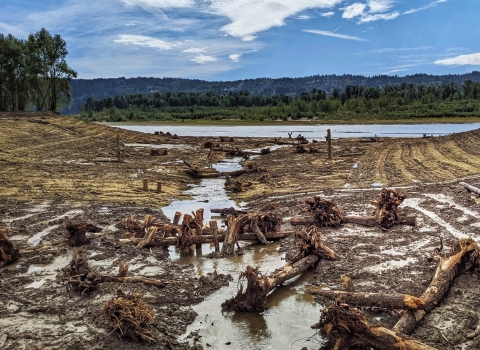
[(199, 220), (159, 187), (145, 185), (329, 143), (176, 218), (214, 228)]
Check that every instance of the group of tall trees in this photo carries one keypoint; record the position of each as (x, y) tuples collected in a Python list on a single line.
[(391, 101), (34, 72)]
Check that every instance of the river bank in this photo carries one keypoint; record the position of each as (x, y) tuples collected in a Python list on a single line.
[(58, 170)]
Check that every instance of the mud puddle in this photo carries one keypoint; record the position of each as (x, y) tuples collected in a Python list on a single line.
[(285, 324)]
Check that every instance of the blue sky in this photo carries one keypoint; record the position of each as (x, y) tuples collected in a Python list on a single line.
[(240, 39)]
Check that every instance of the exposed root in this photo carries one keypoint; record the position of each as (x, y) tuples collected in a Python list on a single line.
[(309, 242), (325, 212), (130, 317), (387, 205), (8, 253), (77, 233), (78, 276), (254, 297), (190, 229), (267, 223)]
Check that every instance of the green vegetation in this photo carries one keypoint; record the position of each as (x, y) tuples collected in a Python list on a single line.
[(33, 72), (354, 103)]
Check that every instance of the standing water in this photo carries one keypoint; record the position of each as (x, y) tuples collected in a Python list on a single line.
[(291, 311)]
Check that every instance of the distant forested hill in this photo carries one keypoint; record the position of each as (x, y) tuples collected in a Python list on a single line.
[(99, 88)]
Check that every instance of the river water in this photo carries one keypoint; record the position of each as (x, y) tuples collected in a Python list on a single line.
[(310, 131)]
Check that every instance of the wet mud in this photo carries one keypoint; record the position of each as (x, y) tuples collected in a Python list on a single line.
[(53, 174)]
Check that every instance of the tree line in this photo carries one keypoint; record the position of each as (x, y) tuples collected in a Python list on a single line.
[(34, 73), (405, 100)]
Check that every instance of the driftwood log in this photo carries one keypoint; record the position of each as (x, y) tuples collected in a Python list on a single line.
[(387, 301), (470, 188), (467, 256), (167, 241), (370, 221), (345, 327), (254, 298)]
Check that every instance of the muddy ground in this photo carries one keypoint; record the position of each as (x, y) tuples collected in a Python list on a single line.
[(57, 170)]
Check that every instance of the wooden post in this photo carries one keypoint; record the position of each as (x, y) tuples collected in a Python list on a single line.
[(176, 218), (199, 220), (329, 143), (214, 228), (119, 157), (159, 187), (145, 185)]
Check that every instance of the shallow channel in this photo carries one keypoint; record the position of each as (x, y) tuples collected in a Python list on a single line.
[(291, 312)]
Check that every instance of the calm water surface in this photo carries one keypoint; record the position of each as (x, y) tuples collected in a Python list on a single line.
[(310, 131)]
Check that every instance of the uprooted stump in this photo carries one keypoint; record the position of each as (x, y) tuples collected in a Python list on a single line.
[(264, 225), (8, 253), (325, 212), (147, 231), (345, 327), (77, 233), (78, 276), (386, 207), (466, 255), (254, 298), (130, 317)]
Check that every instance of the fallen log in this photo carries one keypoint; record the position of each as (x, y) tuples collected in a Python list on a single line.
[(259, 286), (467, 256), (198, 174), (370, 221), (207, 238), (346, 327), (387, 301), (226, 211), (470, 188)]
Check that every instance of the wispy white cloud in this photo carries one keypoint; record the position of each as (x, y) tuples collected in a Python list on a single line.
[(333, 34), (430, 5), (304, 17), (379, 16), (202, 59), (462, 60), (160, 4), (249, 17), (372, 10), (354, 10), (195, 50), (235, 57), (15, 31), (327, 14), (391, 49), (145, 41), (379, 6)]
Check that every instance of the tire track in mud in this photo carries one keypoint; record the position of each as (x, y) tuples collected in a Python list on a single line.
[(430, 160)]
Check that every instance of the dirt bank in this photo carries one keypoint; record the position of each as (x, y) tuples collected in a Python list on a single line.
[(56, 170)]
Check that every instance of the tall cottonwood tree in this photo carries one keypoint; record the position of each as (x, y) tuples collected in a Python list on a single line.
[(34, 72)]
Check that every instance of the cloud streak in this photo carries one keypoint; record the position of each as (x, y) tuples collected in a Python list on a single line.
[(430, 5), (335, 35), (250, 17), (462, 60), (145, 41)]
